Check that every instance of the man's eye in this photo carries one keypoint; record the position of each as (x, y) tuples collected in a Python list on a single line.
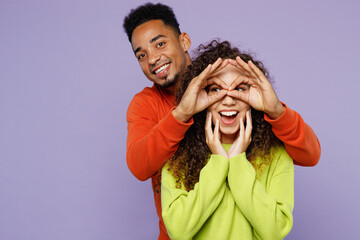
[(141, 56), (160, 44)]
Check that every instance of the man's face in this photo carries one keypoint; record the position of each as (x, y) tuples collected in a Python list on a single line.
[(162, 54)]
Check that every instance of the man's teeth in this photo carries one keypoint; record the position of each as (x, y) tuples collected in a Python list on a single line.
[(228, 114), (161, 68)]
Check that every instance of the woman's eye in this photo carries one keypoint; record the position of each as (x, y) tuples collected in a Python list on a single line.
[(215, 89), (239, 89), (242, 87)]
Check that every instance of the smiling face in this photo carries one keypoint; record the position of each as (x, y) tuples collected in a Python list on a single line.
[(228, 110), (161, 52)]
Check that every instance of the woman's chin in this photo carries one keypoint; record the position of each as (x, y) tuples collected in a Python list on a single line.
[(229, 130), (228, 137)]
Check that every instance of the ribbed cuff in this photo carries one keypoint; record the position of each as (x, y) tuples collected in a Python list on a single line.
[(172, 128), (286, 119)]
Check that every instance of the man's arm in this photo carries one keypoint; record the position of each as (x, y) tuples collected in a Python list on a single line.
[(299, 139), (149, 143)]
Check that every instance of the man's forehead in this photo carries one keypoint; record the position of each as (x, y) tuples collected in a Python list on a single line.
[(150, 29)]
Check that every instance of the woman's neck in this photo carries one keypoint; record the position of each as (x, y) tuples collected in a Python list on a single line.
[(228, 139)]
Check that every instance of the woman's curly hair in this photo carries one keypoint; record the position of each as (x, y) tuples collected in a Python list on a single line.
[(193, 152)]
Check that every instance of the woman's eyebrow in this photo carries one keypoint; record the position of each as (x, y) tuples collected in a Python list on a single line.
[(211, 80)]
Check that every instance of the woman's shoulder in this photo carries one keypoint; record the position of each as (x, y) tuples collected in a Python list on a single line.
[(281, 160), (169, 181)]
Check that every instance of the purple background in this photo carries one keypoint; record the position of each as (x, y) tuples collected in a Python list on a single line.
[(67, 75)]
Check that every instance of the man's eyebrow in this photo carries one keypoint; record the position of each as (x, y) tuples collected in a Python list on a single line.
[(156, 38), (151, 41), (137, 50)]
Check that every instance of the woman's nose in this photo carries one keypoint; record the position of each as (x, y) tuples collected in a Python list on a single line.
[(227, 100)]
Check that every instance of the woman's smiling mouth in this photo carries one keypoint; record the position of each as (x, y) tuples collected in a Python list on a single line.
[(228, 117)]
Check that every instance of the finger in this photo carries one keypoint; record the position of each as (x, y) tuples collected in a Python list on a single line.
[(245, 66), (234, 63), (218, 67), (200, 80), (216, 130), (237, 140), (243, 96), (248, 124), (202, 76), (239, 80), (217, 81), (242, 132), (215, 65), (208, 129), (260, 75)]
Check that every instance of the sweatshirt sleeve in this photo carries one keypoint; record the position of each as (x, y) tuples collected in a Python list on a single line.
[(299, 139), (184, 212), (150, 143), (267, 208)]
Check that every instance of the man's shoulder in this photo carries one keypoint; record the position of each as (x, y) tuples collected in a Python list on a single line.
[(147, 94), (148, 100)]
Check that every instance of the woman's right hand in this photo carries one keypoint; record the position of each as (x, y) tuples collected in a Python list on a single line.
[(195, 98), (213, 137)]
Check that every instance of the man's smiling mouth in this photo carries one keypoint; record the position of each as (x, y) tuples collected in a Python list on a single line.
[(162, 71), (162, 68)]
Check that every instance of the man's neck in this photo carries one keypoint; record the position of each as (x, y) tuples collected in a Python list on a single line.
[(170, 90)]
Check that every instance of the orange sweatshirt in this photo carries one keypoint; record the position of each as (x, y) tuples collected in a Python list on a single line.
[(154, 135)]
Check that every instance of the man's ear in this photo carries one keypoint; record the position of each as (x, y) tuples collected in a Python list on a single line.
[(185, 41)]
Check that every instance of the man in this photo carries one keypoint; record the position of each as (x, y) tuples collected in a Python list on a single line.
[(156, 125)]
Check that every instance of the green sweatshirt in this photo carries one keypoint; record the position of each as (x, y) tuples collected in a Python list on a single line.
[(252, 206)]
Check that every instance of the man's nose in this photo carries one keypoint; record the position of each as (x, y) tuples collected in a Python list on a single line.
[(153, 57)]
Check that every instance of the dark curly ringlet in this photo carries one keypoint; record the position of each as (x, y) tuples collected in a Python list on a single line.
[(147, 12), (193, 152)]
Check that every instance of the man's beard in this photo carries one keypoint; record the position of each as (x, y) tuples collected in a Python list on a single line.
[(170, 82)]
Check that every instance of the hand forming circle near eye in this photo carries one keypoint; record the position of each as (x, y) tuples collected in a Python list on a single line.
[(195, 98), (261, 94)]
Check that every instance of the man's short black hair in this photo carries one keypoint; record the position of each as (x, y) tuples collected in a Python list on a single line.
[(149, 12)]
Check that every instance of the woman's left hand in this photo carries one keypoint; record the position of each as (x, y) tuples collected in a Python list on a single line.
[(244, 138), (261, 94)]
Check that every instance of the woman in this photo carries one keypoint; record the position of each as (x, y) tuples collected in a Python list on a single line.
[(230, 178)]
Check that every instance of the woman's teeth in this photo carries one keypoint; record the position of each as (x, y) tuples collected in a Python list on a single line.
[(228, 113)]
